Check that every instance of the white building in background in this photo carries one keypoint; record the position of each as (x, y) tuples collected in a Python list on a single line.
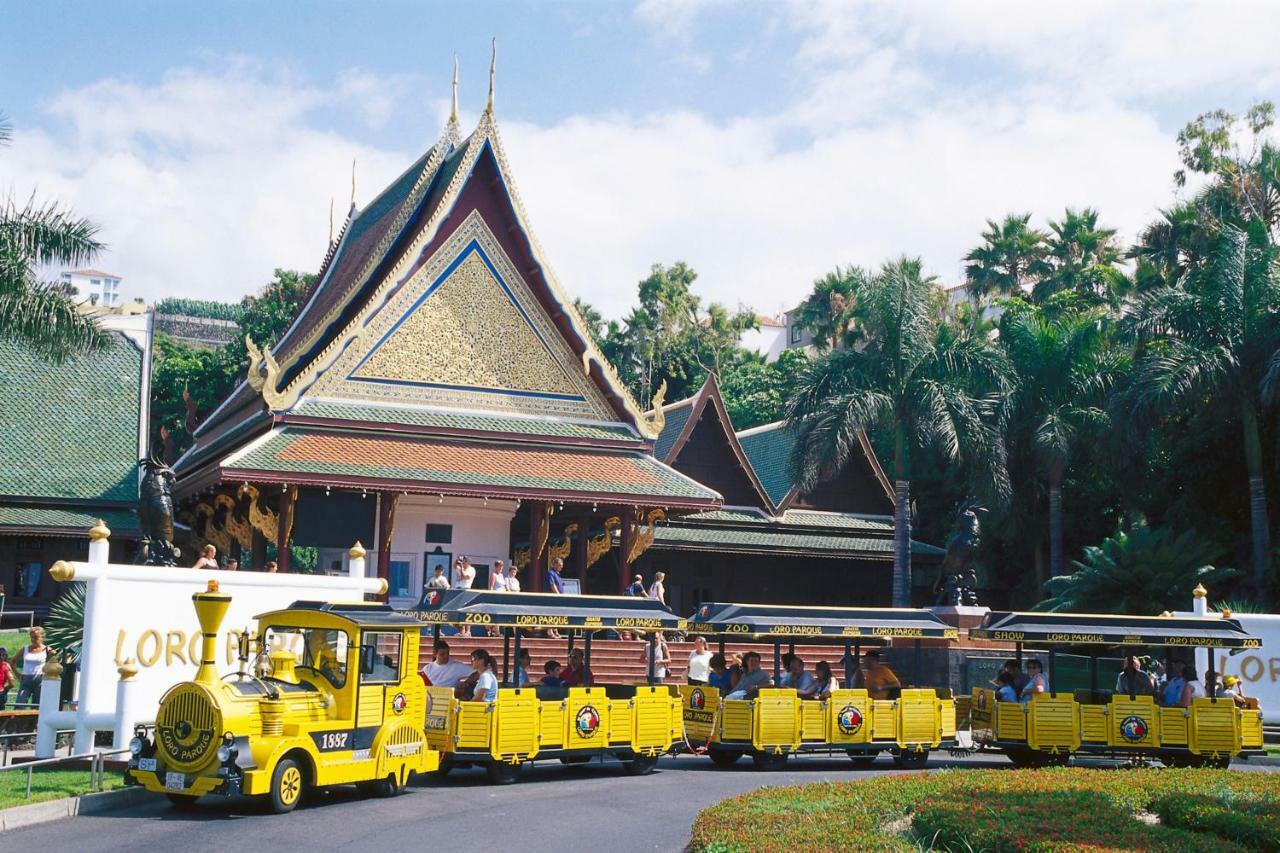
[(770, 339), (94, 287)]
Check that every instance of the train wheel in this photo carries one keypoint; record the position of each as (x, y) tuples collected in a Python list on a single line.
[(182, 802), (641, 765), (502, 773), (1025, 757), (381, 788), (769, 760), (911, 759), (724, 757), (862, 759), (287, 786)]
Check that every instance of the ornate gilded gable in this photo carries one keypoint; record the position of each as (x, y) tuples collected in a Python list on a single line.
[(465, 331)]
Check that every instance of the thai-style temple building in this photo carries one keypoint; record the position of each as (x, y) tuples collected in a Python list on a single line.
[(71, 435), (770, 541), (437, 396)]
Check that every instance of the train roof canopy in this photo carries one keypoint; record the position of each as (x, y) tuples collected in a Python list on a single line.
[(541, 610), (786, 621), (1112, 630), (363, 614)]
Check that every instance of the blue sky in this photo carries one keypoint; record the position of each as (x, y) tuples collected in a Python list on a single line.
[(763, 143)]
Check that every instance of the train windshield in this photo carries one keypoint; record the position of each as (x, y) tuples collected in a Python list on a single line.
[(321, 649)]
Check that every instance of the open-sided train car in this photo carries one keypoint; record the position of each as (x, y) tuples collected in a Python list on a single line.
[(1052, 726), (633, 723), (777, 723)]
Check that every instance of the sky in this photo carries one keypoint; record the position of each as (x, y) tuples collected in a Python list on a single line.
[(764, 143)]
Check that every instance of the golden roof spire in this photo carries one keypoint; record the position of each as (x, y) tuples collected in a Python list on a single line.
[(493, 64), (453, 113), (353, 182)]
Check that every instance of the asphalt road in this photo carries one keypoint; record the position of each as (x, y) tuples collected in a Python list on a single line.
[(586, 807)]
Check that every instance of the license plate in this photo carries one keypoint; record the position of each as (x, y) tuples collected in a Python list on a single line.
[(175, 781), (147, 764)]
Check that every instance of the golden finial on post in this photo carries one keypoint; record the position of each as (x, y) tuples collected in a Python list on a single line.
[(453, 112), (62, 571), (1199, 591), (493, 65), (127, 671), (357, 551), (99, 531), (52, 669)]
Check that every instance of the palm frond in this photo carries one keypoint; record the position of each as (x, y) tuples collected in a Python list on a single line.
[(45, 320), (47, 234)]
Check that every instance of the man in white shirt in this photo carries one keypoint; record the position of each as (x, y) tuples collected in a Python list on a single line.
[(444, 672), (466, 575)]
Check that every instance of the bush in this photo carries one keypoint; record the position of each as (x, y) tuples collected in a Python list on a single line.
[(1052, 809), (1252, 823)]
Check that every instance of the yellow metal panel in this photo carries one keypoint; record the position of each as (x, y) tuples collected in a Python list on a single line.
[(620, 721), (1053, 723), (813, 720), (1011, 721), (982, 714), (699, 707), (1251, 729), (735, 719), (1174, 724), (1215, 727), (587, 719), (1093, 723), (776, 718), (473, 725), (440, 718), (1135, 723), (948, 714), (552, 723), (369, 705), (884, 719), (653, 715), (919, 718), (849, 717), (516, 724)]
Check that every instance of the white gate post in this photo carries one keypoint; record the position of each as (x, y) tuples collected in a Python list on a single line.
[(1200, 607), (47, 721), (355, 565), (126, 714), (99, 544)]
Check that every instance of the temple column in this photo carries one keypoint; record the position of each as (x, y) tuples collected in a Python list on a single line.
[(626, 538), (258, 553), (387, 502), (580, 549), (539, 523), (285, 528)]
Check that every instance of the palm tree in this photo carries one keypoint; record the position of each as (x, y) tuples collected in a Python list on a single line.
[(1213, 335), (1083, 259), (1010, 259), (37, 313), (1065, 365), (827, 312), (1140, 571), (926, 383), (1171, 245)]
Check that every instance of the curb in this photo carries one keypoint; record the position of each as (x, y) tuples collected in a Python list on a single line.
[(1263, 761), (17, 817)]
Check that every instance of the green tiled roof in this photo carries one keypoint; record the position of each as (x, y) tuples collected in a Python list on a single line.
[(816, 518), (74, 521), (671, 429), (70, 430), (768, 449), (438, 419), (714, 538), (494, 468)]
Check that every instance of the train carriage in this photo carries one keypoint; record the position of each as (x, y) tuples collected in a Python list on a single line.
[(1052, 726), (332, 698), (632, 723), (777, 723)]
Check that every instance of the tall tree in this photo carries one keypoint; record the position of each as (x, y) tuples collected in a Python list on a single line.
[(1210, 338), (39, 313), (1010, 259), (1238, 153), (1171, 245), (1065, 365), (1083, 259), (915, 378), (828, 311)]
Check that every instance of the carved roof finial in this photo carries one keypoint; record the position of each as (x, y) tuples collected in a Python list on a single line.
[(493, 65), (330, 220), (453, 112), (353, 182)]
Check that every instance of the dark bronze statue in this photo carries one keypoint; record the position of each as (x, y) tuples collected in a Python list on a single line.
[(957, 579), (155, 514)]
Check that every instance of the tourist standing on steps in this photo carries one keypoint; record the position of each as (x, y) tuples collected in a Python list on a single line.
[(513, 582), (700, 662), (208, 558), (657, 591), (31, 660), (555, 585), (7, 678), (498, 580)]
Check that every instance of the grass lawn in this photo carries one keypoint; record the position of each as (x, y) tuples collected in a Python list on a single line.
[(968, 810), (48, 785), (13, 640)]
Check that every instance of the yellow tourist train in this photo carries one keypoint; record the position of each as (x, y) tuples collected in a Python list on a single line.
[(633, 723), (1053, 725), (909, 721), (333, 698)]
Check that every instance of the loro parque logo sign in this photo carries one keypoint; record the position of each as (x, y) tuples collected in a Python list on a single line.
[(587, 721), (1133, 728), (849, 720)]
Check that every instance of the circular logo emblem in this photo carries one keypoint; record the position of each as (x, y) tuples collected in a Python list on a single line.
[(587, 721), (697, 701), (849, 720), (703, 611), (182, 730), (398, 703), (433, 597), (1133, 728)]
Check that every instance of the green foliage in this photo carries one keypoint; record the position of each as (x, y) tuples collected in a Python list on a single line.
[(1250, 822), (1140, 571), (756, 392), (1083, 259), (828, 312), (51, 785), (1010, 260), (1055, 809), (64, 627), (206, 308)]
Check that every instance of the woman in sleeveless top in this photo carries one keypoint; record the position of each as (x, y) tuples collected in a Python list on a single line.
[(32, 659)]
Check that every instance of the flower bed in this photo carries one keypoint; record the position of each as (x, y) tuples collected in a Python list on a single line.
[(998, 810)]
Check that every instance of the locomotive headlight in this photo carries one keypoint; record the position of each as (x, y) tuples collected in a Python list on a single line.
[(135, 747), (224, 753)]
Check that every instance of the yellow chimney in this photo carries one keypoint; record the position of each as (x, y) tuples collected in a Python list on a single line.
[(211, 607)]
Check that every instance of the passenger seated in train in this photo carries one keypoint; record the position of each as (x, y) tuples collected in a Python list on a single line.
[(1191, 687), (486, 689), (444, 672), (552, 677), (1132, 681), (1037, 681), (1005, 690), (753, 678), (523, 662), (577, 674), (797, 679), (1170, 692), (718, 675), (1019, 677), (1232, 688), (878, 678), (824, 683)]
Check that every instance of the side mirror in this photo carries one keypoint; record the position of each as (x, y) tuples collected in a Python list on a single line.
[(368, 656)]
